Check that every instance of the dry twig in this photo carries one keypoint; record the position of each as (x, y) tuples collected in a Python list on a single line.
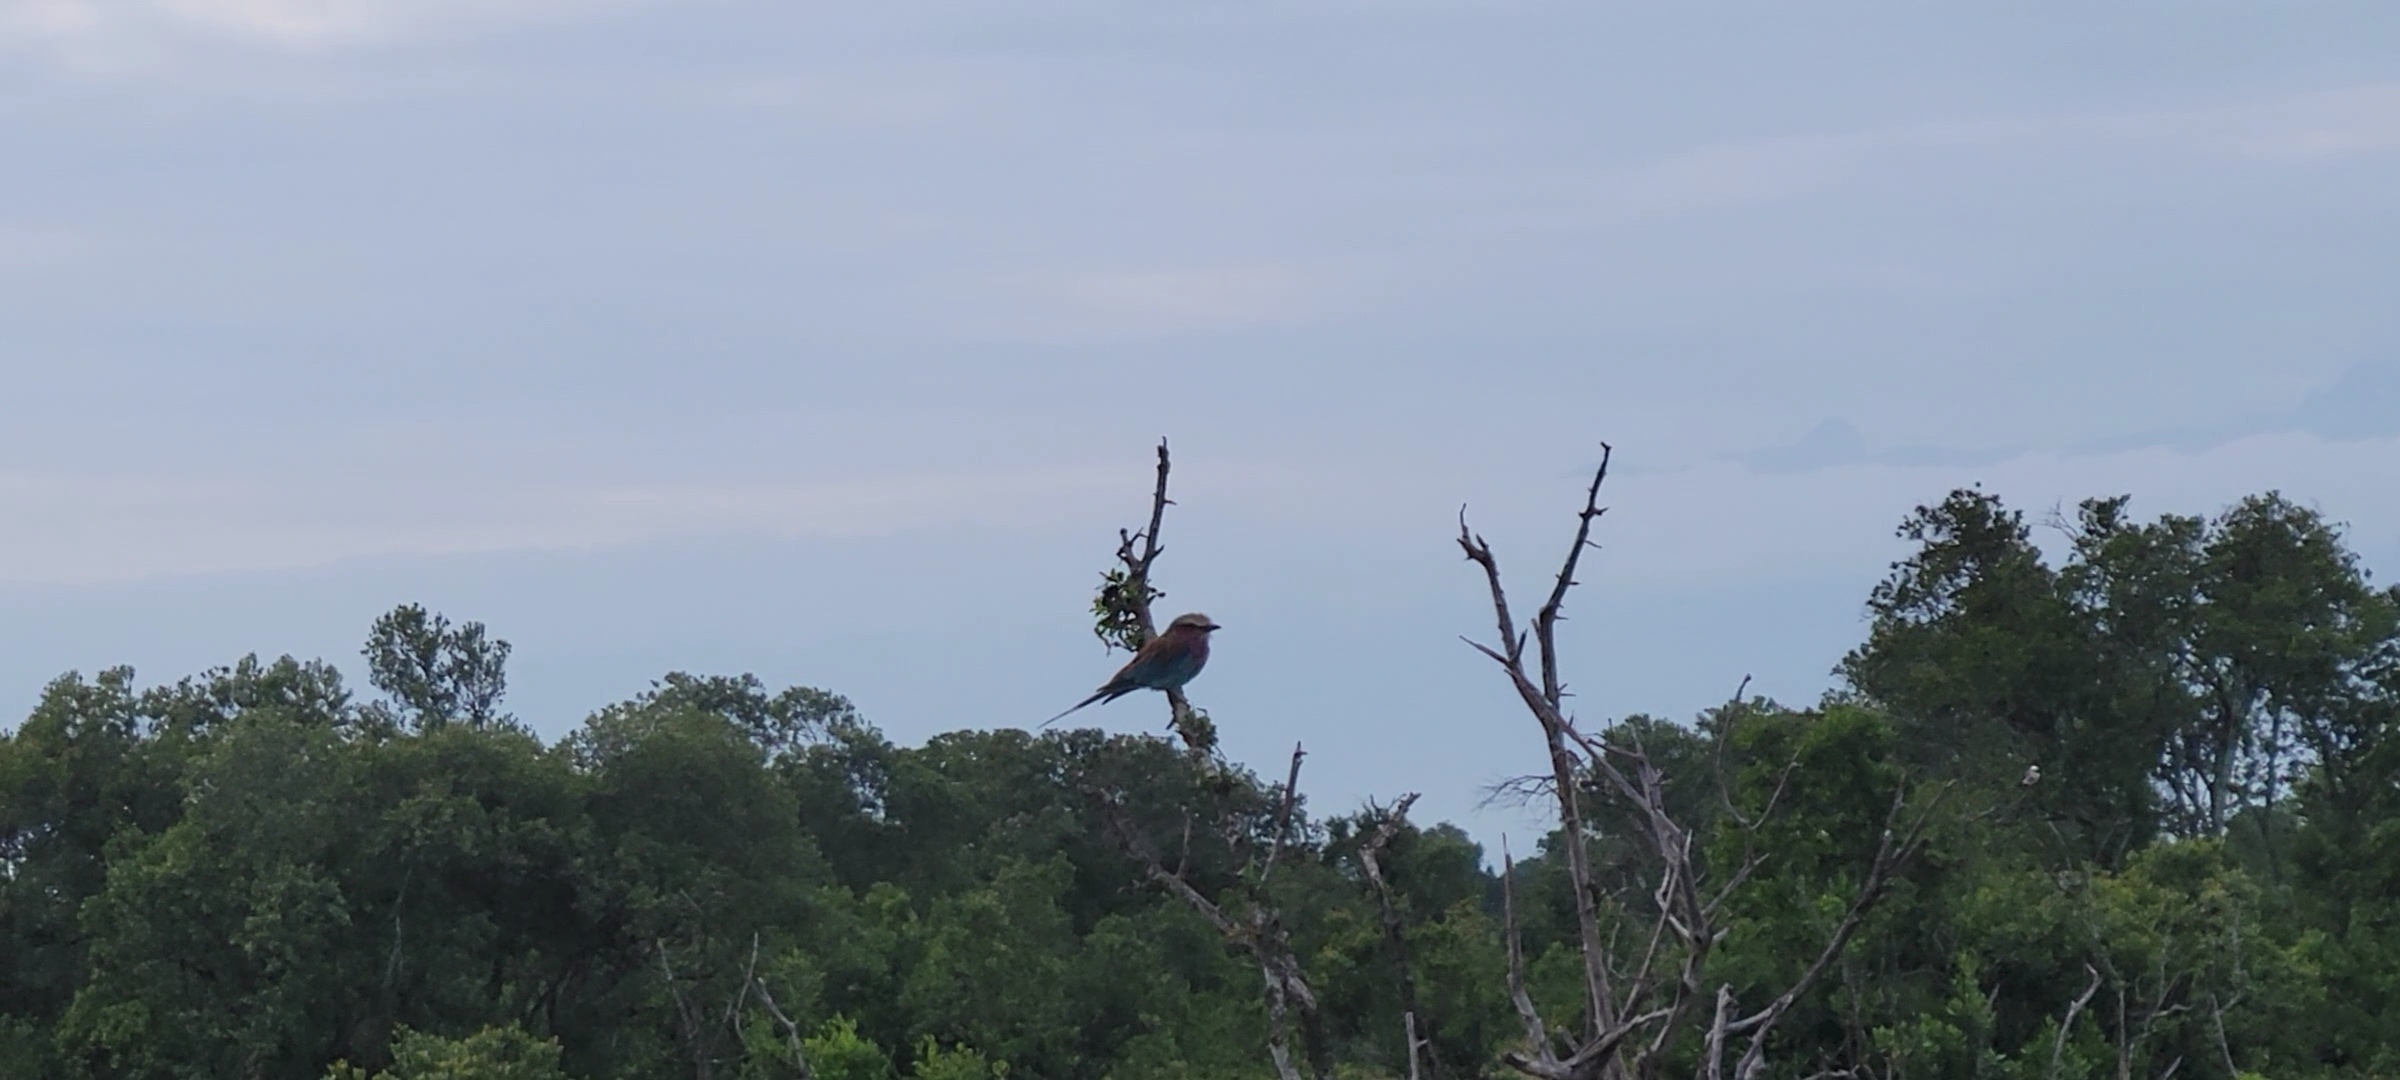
[(1129, 600)]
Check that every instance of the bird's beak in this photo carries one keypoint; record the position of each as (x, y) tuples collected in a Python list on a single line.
[(1212, 627)]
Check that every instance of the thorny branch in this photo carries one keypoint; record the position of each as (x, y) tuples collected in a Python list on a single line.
[(1545, 701), (1686, 924)]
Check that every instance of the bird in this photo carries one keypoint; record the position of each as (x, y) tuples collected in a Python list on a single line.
[(1165, 662), (2033, 775)]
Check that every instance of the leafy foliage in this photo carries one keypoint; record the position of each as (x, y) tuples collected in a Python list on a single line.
[(250, 873)]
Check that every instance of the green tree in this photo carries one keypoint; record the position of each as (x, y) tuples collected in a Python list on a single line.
[(494, 1053), (837, 1052), (436, 673)]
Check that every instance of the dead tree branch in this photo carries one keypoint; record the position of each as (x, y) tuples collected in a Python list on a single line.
[(2216, 1010), (2058, 1046), (1622, 1001), (1257, 929), (1536, 1037), (1414, 1028), (791, 1031), (1545, 701), (1283, 813), (1124, 605), (1255, 922), (687, 1015), (1891, 852)]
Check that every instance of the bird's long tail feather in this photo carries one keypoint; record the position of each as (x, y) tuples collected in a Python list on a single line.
[(1096, 695)]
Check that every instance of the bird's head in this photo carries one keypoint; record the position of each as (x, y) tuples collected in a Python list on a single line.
[(1193, 623)]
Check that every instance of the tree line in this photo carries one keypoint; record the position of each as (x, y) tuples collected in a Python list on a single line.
[(2130, 812)]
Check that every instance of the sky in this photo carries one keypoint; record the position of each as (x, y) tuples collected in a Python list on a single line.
[(831, 342)]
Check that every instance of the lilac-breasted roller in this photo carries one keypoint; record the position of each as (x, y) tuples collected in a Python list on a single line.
[(1164, 662)]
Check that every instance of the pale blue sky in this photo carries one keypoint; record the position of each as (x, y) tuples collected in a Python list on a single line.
[(830, 341)]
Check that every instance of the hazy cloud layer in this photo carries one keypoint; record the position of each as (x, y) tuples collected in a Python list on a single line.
[(811, 337)]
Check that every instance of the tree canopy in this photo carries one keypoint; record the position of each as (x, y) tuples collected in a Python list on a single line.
[(2131, 812)]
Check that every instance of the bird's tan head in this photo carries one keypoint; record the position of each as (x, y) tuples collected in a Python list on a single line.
[(1193, 623)]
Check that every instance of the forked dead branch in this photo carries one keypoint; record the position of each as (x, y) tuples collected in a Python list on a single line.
[(1641, 1006), (1247, 918)]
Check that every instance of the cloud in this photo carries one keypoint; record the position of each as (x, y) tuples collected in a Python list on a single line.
[(1724, 522), (28, 247), (1833, 442), (89, 529), (2361, 403), (2309, 128), (2364, 402), (2321, 127), (120, 35), (1114, 305), (2305, 127), (852, 97), (1704, 525)]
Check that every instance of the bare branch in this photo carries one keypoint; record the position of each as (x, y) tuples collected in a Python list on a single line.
[(1179, 707), (686, 1014), (2216, 1011), (1283, 813), (1259, 934), (791, 1030), (1517, 791), (1183, 857), (1537, 1039), (1543, 702), (2058, 1046), (1626, 996), (1131, 842), (1751, 861), (1394, 937), (733, 1009), (1890, 853), (1733, 708), (1279, 1035), (1158, 509), (1545, 622), (1481, 554), (1712, 1055), (1137, 555)]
